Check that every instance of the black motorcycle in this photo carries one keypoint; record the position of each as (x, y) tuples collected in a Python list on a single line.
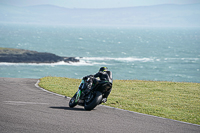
[(89, 96)]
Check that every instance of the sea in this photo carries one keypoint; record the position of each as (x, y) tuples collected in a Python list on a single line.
[(131, 53)]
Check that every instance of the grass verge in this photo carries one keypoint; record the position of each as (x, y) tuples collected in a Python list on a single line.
[(174, 100)]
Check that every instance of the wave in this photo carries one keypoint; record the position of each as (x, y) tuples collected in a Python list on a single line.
[(126, 59), (183, 59), (90, 61), (81, 63)]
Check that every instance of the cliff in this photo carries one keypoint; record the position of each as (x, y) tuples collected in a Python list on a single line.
[(27, 56)]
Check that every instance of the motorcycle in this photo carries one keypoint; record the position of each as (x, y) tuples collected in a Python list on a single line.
[(89, 96)]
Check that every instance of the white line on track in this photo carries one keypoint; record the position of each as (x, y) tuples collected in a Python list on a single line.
[(21, 103), (48, 91)]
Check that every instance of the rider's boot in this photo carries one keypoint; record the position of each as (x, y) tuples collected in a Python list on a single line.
[(104, 100)]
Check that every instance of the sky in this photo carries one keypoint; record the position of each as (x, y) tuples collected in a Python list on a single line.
[(96, 3)]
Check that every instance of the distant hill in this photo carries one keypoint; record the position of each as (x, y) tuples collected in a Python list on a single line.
[(159, 15)]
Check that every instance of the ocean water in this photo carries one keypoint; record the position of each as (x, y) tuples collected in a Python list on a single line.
[(158, 54)]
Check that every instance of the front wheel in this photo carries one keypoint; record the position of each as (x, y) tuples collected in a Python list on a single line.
[(72, 102), (93, 102)]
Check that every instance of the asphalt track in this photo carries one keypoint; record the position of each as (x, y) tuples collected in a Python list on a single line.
[(26, 109)]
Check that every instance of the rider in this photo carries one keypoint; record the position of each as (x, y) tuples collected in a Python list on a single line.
[(104, 76)]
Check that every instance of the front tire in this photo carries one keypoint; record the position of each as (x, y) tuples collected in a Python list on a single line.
[(93, 102), (72, 102)]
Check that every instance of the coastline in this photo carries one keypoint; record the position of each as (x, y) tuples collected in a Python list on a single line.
[(12, 55)]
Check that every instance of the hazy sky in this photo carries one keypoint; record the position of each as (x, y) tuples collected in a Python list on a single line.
[(96, 3)]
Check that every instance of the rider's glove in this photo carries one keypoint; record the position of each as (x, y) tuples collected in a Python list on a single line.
[(84, 78)]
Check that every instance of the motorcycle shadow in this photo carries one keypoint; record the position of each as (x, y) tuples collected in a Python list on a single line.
[(68, 108)]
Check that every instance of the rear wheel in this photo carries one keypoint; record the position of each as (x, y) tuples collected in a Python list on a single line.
[(72, 102), (93, 101)]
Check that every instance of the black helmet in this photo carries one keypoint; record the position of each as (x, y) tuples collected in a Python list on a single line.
[(102, 69)]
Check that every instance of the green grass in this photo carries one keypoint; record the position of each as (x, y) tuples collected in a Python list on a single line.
[(11, 51), (173, 100)]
